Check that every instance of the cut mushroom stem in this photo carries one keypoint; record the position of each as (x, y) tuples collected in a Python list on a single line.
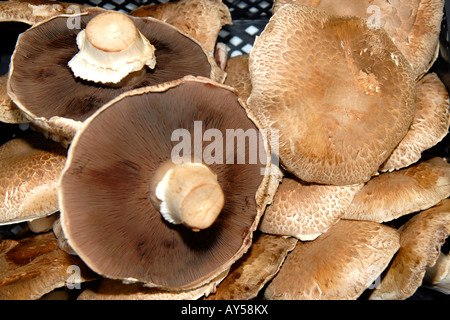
[(188, 194), (111, 48)]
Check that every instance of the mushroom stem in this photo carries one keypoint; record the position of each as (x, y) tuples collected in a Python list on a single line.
[(187, 194), (110, 48)]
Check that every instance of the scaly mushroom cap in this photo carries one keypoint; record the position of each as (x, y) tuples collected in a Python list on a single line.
[(257, 267), (339, 265), (47, 91), (421, 238), (34, 266), (107, 212), (200, 19), (394, 194), (305, 211), (238, 75), (339, 93), (9, 113), (414, 25), (430, 125), (34, 11), (29, 174)]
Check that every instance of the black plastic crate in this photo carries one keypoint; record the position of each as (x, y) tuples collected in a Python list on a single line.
[(249, 19)]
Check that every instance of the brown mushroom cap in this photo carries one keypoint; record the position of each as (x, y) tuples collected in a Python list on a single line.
[(257, 267), (200, 19), (305, 211), (34, 266), (106, 209), (48, 93), (430, 125), (109, 289), (34, 11), (339, 264), (29, 172), (238, 75), (9, 113), (394, 194), (339, 93), (437, 277), (414, 25), (421, 238)]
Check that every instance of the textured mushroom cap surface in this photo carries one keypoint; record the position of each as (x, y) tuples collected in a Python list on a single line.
[(437, 277), (109, 289), (29, 174), (394, 194), (34, 266), (258, 266), (201, 19), (430, 125), (339, 264), (9, 113), (106, 211), (238, 75), (421, 238), (414, 25), (340, 94), (34, 11), (46, 89), (305, 211)]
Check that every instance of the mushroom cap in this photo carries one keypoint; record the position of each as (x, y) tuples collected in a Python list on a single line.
[(394, 194), (257, 267), (421, 238), (48, 93), (338, 265), (305, 211), (9, 113), (430, 125), (117, 290), (238, 75), (414, 25), (29, 172), (34, 266), (106, 210), (34, 11), (339, 93), (200, 19), (437, 277)]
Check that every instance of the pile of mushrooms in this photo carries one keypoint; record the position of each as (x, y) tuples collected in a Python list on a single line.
[(128, 183)]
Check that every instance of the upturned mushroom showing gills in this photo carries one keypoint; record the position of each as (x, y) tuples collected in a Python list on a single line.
[(67, 67), (340, 94), (137, 207)]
